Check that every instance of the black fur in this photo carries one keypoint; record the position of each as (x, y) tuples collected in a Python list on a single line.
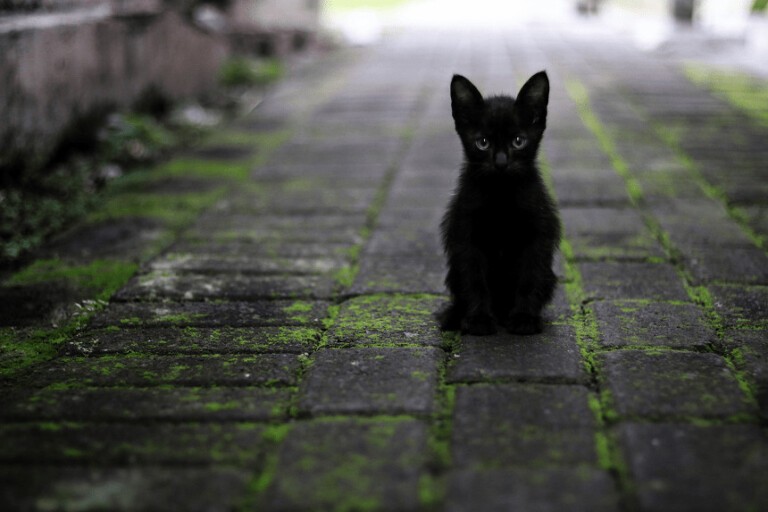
[(501, 229)]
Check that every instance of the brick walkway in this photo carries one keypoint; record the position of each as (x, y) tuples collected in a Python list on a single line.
[(281, 353)]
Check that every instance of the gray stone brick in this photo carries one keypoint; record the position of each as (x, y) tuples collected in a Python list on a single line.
[(388, 320), (745, 265), (632, 280), (671, 385), (371, 381), (184, 286), (205, 314), (214, 489), (609, 233), (741, 307), (627, 323), (702, 468), (531, 425), (395, 274), (202, 370), (121, 443), (149, 404), (552, 356), (349, 464), (193, 340), (540, 489)]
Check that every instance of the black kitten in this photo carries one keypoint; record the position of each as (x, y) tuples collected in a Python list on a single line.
[(501, 228)]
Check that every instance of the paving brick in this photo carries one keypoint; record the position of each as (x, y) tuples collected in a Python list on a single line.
[(641, 323), (746, 265), (713, 227), (149, 404), (246, 263), (749, 351), (609, 233), (687, 467), (543, 490), (371, 381), (350, 465), (631, 280), (671, 385), (118, 443), (207, 314), (395, 274), (531, 425), (552, 356), (741, 307), (588, 187), (162, 284), (193, 340), (214, 489), (389, 320), (201, 370)]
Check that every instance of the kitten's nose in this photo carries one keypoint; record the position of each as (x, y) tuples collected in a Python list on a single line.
[(501, 159)]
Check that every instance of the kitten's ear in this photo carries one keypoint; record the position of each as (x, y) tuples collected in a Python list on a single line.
[(466, 100), (535, 93)]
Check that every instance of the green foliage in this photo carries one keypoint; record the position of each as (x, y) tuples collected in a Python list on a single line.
[(759, 5), (135, 138), (242, 71)]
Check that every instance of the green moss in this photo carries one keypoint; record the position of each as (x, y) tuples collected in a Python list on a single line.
[(176, 210), (744, 91), (101, 277), (244, 71)]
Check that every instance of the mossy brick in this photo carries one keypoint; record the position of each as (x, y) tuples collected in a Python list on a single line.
[(347, 149), (688, 467), (212, 314), (671, 385), (645, 323), (245, 263), (257, 227), (632, 280), (192, 340), (146, 404), (552, 356), (713, 227), (748, 350), (185, 286), (589, 188), (609, 233), (272, 250), (123, 443), (349, 464), (321, 200), (578, 489), (72, 487), (221, 152), (202, 370), (531, 425), (371, 381), (387, 320), (127, 238), (407, 231), (741, 307), (743, 265), (39, 304), (395, 274)]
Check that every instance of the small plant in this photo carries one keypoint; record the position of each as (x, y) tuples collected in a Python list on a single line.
[(242, 71)]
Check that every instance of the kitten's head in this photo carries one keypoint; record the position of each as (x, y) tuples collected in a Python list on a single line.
[(501, 133)]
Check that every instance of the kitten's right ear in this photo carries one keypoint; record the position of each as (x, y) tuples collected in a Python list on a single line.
[(466, 100)]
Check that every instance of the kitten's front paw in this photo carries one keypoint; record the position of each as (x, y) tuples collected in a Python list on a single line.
[(524, 324), (479, 325)]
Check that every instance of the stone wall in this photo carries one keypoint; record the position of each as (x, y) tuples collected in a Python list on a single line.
[(62, 65)]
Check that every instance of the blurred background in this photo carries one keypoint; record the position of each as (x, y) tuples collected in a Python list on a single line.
[(93, 88)]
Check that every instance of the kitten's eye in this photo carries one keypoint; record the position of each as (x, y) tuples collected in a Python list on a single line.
[(482, 144), (519, 142)]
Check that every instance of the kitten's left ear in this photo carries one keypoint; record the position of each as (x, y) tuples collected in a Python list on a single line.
[(535, 93)]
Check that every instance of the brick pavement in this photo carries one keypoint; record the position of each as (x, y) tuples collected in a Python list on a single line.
[(281, 353)]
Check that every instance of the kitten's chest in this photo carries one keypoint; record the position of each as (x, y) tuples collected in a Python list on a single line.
[(503, 228)]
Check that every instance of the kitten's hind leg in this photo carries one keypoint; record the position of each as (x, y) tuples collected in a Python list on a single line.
[(525, 317), (450, 317)]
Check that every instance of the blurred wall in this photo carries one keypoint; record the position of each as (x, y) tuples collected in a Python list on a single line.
[(63, 62)]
